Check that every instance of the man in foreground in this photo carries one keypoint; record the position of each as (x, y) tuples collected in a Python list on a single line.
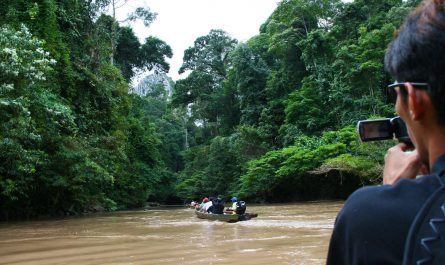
[(373, 226)]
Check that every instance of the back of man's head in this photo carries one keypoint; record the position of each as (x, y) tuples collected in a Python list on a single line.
[(417, 54)]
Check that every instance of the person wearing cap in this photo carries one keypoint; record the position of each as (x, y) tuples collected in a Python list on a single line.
[(232, 209), (208, 205), (234, 201), (201, 207)]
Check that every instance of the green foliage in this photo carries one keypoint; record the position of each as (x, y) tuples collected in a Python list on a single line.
[(42, 163), (345, 60), (315, 68), (197, 89), (69, 139), (303, 110), (261, 178), (223, 167), (209, 54), (190, 179), (131, 56), (24, 65), (127, 52), (367, 170), (249, 73), (290, 24), (166, 142), (290, 165), (250, 142), (143, 13), (268, 120), (205, 89), (24, 61), (153, 53), (213, 171)]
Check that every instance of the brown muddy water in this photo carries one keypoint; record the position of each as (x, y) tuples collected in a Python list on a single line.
[(281, 234)]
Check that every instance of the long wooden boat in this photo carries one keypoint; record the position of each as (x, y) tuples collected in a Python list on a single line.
[(231, 218)]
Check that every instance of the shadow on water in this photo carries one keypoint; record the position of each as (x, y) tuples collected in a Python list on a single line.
[(281, 234)]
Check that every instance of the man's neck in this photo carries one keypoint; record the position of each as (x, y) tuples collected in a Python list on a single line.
[(436, 145)]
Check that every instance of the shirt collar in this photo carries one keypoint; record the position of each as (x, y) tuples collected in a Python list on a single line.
[(439, 165)]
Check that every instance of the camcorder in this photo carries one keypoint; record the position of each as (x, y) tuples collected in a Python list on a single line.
[(383, 129)]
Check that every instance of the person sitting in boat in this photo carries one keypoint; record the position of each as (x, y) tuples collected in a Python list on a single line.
[(202, 206), (209, 205), (217, 206), (232, 208), (238, 207)]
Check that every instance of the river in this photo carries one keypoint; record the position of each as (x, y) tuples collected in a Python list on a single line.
[(281, 234)]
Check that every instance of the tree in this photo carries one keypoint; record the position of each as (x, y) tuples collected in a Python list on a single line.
[(250, 74), (68, 141), (202, 90), (127, 56), (290, 23), (131, 56), (212, 170), (140, 13), (29, 114), (209, 54), (153, 53)]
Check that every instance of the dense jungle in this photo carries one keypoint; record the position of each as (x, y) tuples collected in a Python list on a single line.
[(271, 119)]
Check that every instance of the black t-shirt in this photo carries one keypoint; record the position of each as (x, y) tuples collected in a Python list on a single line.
[(373, 225)]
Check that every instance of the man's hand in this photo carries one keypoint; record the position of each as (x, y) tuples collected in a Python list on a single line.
[(400, 164)]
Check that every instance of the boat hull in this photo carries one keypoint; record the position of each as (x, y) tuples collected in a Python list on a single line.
[(231, 218)]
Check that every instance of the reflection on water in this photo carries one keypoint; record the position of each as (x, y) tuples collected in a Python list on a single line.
[(281, 234)]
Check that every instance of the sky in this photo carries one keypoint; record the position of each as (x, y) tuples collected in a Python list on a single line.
[(180, 22)]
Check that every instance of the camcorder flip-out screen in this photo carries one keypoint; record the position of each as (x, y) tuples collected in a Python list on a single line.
[(375, 130), (383, 129)]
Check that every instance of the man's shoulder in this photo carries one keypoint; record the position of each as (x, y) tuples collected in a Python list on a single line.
[(369, 194), (421, 186), (401, 200)]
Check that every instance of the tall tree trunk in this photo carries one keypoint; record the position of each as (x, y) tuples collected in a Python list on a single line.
[(113, 33)]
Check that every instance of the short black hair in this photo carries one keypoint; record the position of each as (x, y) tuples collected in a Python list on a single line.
[(417, 53)]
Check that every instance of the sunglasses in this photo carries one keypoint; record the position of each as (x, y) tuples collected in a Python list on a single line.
[(392, 95), (414, 84)]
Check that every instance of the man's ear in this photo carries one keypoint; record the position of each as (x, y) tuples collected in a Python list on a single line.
[(417, 101)]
